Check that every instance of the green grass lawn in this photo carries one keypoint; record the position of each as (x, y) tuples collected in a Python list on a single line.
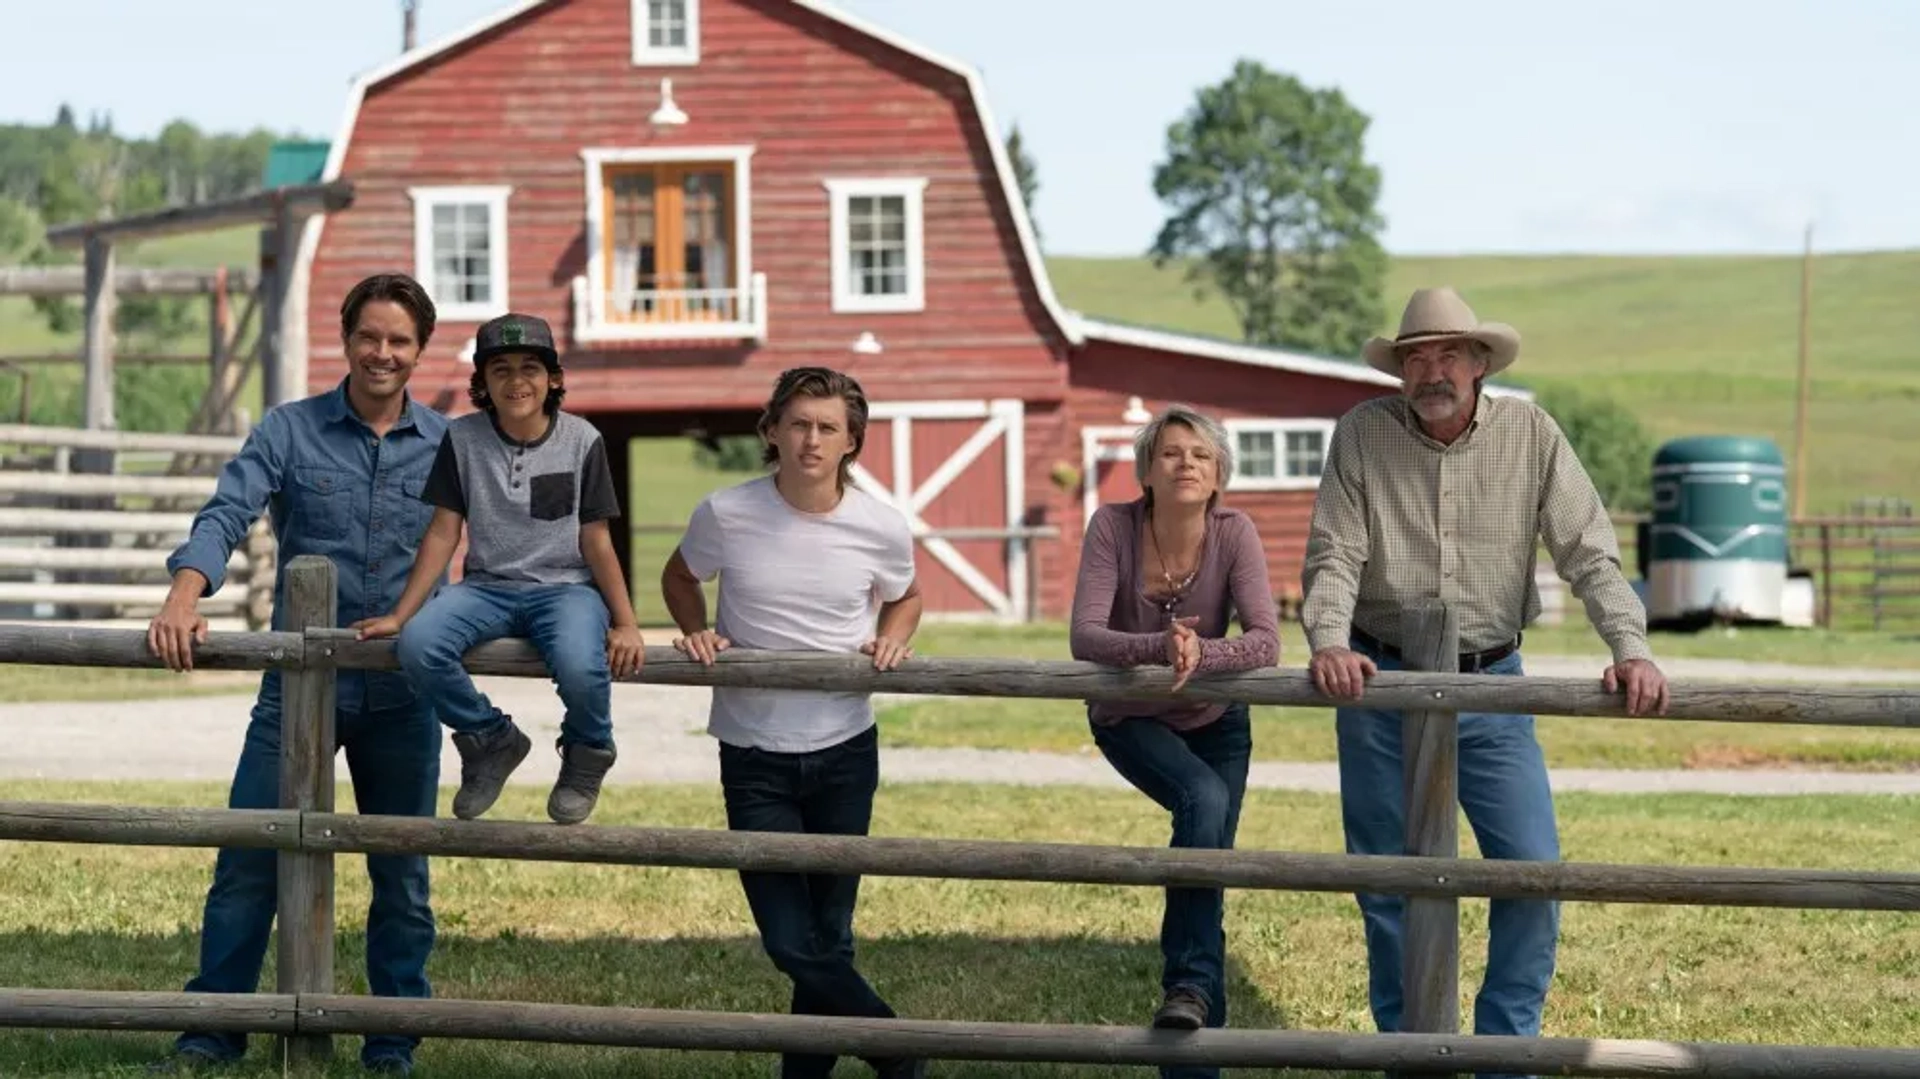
[(127, 918)]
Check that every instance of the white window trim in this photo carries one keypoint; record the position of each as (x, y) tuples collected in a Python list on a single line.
[(912, 190), (645, 55), (1280, 429), (597, 158), (495, 199)]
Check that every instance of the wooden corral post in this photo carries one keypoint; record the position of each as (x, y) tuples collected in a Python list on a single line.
[(284, 325), (270, 286), (96, 403), (305, 956), (1430, 641)]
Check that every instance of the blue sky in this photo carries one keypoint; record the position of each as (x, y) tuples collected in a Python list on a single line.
[(1500, 125)]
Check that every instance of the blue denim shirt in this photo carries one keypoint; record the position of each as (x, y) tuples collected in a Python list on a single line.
[(335, 489)]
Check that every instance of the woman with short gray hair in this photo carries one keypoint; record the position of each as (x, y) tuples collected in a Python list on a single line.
[(1159, 578)]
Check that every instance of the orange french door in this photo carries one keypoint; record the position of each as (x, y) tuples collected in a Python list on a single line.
[(669, 246)]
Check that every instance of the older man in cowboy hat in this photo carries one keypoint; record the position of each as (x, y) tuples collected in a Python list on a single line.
[(1443, 491)]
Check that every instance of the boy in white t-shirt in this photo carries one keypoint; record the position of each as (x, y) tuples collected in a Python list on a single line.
[(807, 563)]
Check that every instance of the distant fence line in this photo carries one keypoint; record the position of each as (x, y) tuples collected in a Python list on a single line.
[(307, 834)]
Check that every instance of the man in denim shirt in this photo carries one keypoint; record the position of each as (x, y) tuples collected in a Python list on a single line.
[(341, 474)]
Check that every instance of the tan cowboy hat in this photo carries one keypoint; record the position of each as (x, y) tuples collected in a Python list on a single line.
[(1437, 314)]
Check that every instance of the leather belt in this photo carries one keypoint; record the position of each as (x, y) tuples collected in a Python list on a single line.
[(1470, 662)]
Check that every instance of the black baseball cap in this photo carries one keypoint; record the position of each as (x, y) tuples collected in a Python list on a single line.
[(515, 333)]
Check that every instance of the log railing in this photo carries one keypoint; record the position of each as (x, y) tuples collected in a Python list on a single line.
[(308, 834)]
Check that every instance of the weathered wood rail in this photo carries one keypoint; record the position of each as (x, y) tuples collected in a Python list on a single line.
[(308, 834), (321, 1014)]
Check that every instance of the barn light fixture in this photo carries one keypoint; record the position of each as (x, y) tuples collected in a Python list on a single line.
[(867, 344), (466, 351), (1136, 412), (668, 114)]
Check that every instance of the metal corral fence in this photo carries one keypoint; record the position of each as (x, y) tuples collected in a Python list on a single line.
[(305, 1011)]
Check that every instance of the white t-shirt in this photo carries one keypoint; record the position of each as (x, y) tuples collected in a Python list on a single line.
[(796, 582)]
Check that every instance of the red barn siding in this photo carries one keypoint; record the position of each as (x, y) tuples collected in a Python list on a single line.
[(977, 498), (1103, 376), (815, 99)]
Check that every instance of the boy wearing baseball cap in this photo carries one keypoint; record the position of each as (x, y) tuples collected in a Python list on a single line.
[(533, 488)]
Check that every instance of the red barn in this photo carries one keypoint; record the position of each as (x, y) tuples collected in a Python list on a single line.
[(699, 194)]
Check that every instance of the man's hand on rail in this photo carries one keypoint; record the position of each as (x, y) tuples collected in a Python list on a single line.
[(1341, 673), (887, 652), (703, 646), (174, 631), (374, 628), (1645, 686)]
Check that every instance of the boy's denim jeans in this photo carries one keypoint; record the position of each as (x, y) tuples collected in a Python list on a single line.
[(567, 623), (393, 756), (1200, 776), (1508, 802), (806, 920)]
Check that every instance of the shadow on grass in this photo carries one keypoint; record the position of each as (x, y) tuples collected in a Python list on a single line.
[(1078, 980)]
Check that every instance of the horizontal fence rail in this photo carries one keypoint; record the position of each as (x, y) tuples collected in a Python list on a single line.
[(956, 859), (745, 1032), (1055, 679)]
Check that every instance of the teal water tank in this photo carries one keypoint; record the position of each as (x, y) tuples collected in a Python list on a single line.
[(1718, 532)]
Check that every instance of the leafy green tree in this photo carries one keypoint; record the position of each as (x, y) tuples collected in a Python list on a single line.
[(1610, 442), (1026, 174), (1272, 204)]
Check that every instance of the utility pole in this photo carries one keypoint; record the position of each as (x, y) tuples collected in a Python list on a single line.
[(409, 18), (1800, 411)]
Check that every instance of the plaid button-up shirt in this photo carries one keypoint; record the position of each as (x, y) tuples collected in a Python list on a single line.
[(1401, 518)]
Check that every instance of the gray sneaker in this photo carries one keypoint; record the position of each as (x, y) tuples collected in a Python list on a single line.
[(578, 788), (485, 763)]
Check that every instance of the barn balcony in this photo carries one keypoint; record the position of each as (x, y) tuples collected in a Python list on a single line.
[(652, 314)]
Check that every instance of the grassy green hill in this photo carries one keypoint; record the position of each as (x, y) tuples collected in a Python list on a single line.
[(1693, 345)]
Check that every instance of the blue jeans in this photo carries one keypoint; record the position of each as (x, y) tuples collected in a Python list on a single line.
[(806, 920), (1509, 804), (394, 758), (1200, 776), (567, 624)]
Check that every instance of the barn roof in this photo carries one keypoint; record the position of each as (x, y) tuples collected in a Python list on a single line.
[(1067, 322), (1073, 326), (1278, 359)]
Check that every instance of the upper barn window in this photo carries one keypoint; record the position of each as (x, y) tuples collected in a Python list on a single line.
[(460, 249), (878, 249), (666, 31)]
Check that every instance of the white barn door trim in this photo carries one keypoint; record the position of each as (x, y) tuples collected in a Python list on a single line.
[(1005, 420), (1099, 445)]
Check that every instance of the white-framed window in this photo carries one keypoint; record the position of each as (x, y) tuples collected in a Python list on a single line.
[(460, 249), (1278, 455), (666, 32), (878, 244)]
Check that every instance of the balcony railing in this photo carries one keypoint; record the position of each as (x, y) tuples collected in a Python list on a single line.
[(601, 314)]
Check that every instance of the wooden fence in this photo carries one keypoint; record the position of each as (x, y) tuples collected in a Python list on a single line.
[(95, 544), (305, 1011)]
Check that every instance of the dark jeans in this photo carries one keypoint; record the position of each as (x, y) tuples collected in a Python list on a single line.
[(394, 758), (806, 920), (567, 624), (1200, 776)]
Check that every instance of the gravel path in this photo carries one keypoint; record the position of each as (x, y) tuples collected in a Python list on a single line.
[(661, 741)]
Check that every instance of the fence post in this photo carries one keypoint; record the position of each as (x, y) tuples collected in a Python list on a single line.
[(1826, 575), (305, 956), (1429, 641)]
